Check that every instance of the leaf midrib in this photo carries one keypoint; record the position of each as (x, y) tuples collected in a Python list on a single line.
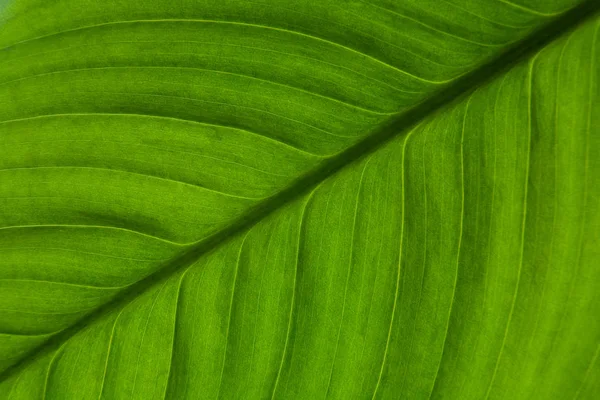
[(387, 131)]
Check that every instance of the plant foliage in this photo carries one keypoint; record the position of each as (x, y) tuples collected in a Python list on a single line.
[(281, 199)]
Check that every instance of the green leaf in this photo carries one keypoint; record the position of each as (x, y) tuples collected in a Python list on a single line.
[(228, 200)]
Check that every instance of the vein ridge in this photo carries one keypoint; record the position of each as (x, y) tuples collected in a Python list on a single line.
[(394, 127)]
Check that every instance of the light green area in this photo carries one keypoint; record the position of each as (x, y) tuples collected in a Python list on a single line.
[(459, 261)]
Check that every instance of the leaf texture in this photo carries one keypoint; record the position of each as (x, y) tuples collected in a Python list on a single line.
[(458, 261), (131, 133)]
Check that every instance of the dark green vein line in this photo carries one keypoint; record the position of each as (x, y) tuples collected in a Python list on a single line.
[(394, 127)]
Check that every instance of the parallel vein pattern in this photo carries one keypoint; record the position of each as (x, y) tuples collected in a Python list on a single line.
[(131, 132), (458, 261)]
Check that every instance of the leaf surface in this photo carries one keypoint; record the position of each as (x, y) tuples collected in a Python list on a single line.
[(457, 261)]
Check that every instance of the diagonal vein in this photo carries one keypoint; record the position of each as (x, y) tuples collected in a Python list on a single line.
[(394, 127)]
